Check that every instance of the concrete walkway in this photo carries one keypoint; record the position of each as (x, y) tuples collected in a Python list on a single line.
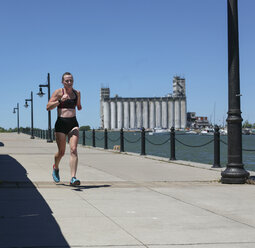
[(124, 201)]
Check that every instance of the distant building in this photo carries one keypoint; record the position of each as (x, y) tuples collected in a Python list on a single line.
[(194, 121), (191, 119), (148, 112), (202, 122)]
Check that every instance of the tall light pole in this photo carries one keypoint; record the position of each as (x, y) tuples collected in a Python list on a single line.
[(32, 119), (14, 112), (40, 93), (235, 172)]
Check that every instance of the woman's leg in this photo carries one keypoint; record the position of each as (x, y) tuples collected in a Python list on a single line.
[(73, 142), (61, 142)]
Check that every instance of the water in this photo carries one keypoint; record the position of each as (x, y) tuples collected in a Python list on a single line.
[(204, 154)]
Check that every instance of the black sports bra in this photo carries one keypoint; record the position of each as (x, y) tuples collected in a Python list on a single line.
[(69, 103)]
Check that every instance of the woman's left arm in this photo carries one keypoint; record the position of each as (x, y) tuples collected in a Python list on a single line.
[(79, 107)]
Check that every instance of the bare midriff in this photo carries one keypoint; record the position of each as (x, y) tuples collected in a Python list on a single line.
[(66, 112)]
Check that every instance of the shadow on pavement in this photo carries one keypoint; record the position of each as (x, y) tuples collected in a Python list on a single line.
[(25, 218), (83, 187), (1, 144)]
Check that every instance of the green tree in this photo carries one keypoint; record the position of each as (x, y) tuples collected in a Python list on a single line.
[(2, 130), (247, 124), (84, 128)]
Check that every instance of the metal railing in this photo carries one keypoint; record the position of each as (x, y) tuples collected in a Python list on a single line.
[(144, 141), (102, 137)]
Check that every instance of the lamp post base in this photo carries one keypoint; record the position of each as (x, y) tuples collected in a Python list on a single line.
[(49, 141), (32, 137), (234, 175)]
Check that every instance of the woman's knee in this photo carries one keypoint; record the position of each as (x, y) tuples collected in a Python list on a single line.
[(61, 153), (73, 151)]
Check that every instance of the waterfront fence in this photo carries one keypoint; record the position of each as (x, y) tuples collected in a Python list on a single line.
[(142, 142)]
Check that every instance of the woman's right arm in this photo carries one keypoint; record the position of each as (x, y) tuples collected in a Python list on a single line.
[(54, 100)]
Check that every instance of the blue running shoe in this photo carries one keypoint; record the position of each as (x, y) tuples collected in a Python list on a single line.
[(55, 175), (75, 182)]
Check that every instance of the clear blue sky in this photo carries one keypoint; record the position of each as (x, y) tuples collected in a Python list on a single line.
[(133, 46)]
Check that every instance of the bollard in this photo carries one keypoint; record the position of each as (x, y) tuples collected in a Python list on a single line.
[(105, 139), (83, 138), (143, 141), (121, 140), (93, 138), (172, 135), (216, 163)]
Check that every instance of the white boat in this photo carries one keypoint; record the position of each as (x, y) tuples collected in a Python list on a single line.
[(191, 132), (208, 131), (223, 131), (157, 131)]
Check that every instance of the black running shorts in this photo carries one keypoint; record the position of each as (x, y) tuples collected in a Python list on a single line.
[(65, 125)]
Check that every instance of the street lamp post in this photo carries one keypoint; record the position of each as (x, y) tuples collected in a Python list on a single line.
[(32, 120), (14, 112), (40, 93), (235, 172)]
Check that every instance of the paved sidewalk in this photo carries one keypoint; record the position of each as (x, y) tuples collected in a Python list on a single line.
[(124, 201)]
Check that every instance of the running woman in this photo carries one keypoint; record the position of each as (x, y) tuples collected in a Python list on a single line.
[(66, 100)]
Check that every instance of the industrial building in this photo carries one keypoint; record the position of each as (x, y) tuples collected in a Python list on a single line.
[(197, 122), (148, 112)]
